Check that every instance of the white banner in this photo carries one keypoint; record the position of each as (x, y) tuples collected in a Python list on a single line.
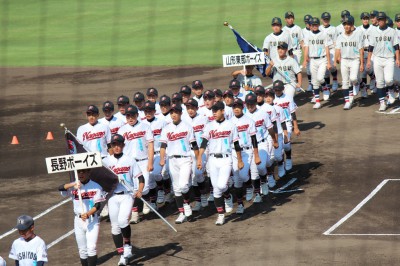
[(235, 60), (73, 162)]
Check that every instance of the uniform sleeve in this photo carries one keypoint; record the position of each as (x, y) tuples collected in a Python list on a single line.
[(13, 252), (266, 43), (108, 134), (360, 41), (306, 40), (296, 67), (328, 41), (372, 39), (206, 132), (289, 40), (301, 35), (79, 135), (338, 41), (99, 197), (149, 135), (191, 136), (163, 137), (273, 115), (135, 170), (252, 128), (396, 38), (42, 252), (235, 134), (334, 34), (292, 107), (267, 122)]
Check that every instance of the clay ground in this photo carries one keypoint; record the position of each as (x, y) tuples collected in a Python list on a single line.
[(340, 157)]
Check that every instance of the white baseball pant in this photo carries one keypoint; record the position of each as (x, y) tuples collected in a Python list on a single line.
[(384, 71), (278, 152), (264, 152), (159, 173), (197, 175), (241, 176), (290, 90), (149, 182), (86, 235), (119, 211), (181, 173), (297, 55), (396, 75), (332, 57), (318, 69), (350, 68), (220, 172)]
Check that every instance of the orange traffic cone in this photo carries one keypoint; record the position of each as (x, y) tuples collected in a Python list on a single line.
[(49, 136), (14, 140)]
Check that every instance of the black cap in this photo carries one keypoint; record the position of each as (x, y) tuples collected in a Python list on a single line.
[(348, 20), (251, 98), (364, 15), (176, 97), (228, 93), (165, 100), (278, 85), (92, 109), (259, 90), (197, 84), (152, 91), (314, 21), (176, 107), (238, 102), (397, 17), (149, 105), (185, 90), (234, 84), (270, 92), (24, 222), (217, 92), (276, 21), (108, 105), (117, 138), (192, 102), (131, 109), (289, 14), (373, 13), (122, 100), (307, 18), (218, 106), (283, 45), (326, 15), (345, 13), (138, 97), (389, 22), (209, 94), (381, 15)]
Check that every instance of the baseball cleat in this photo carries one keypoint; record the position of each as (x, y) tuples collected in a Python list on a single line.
[(326, 93), (313, 100), (372, 86), (160, 197), (356, 90), (104, 212), (335, 85), (271, 181), (347, 106), (382, 107), (204, 201), (135, 218), (154, 205), (264, 189), (122, 261), (249, 193), (197, 206), (364, 93), (210, 197), (391, 98), (310, 87), (281, 170), (240, 209), (288, 164), (187, 209), (229, 204), (257, 198), (220, 219), (351, 99), (317, 105), (128, 252), (181, 218), (146, 209)]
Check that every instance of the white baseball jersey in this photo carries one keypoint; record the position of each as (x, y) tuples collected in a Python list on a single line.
[(306, 32), (366, 34), (114, 123), (245, 128), (220, 136), (296, 35), (200, 100), (330, 31), (167, 118), (287, 105), (127, 171), (158, 109), (279, 118), (383, 42), (95, 138), (288, 70), (178, 138), (262, 123), (272, 41), (91, 193), (339, 30), (252, 81), (198, 122), (136, 138), (141, 115), (350, 45), (156, 126), (28, 253), (317, 42), (269, 109), (209, 114), (121, 117)]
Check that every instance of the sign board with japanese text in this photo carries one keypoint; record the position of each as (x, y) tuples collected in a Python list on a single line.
[(234, 60), (73, 162)]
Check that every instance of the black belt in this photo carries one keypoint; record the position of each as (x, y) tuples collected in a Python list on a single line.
[(120, 193), (179, 156), (157, 152), (366, 49), (139, 160), (247, 148), (220, 155), (318, 57), (79, 215), (263, 140)]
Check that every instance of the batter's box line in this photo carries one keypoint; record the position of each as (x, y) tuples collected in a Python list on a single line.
[(356, 209)]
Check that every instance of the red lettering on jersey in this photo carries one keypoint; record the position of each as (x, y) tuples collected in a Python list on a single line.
[(242, 128), (85, 195), (269, 113), (120, 170), (259, 123), (211, 118), (157, 132), (198, 128), (214, 134), (134, 135), (92, 136), (114, 130), (174, 136), (284, 105)]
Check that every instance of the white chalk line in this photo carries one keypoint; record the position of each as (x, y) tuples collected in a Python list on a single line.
[(364, 235), (58, 240), (357, 208), (37, 216)]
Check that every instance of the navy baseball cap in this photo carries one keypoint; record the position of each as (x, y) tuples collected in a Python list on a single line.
[(283, 45), (185, 90), (251, 98), (364, 15), (289, 14), (149, 105), (348, 20), (176, 97), (218, 92), (381, 15), (122, 100), (138, 97), (152, 91), (117, 138), (131, 109), (24, 222), (345, 13), (238, 102), (176, 107), (92, 109), (209, 94), (192, 102), (228, 93), (270, 92), (326, 15), (276, 21), (107, 105), (373, 13), (165, 100), (389, 22), (314, 21), (259, 90), (278, 85), (307, 18), (234, 84), (197, 84), (218, 106), (397, 17)]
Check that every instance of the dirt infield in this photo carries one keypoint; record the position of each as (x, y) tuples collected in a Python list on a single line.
[(340, 157)]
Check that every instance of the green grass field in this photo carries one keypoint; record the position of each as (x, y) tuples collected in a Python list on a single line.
[(140, 33)]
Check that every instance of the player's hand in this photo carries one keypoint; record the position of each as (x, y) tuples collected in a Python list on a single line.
[(257, 159), (150, 167), (271, 63), (240, 164), (296, 131), (276, 145), (138, 194), (362, 68), (368, 65), (328, 66), (162, 162), (84, 216), (77, 184), (286, 139), (304, 64), (199, 164)]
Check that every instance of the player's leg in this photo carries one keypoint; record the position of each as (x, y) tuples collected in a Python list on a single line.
[(287, 147), (314, 65), (185, 173), (396, 79), (81, 241), (113, 211), (345, 71), (123, 223), (309, 78), (371, 74), (174, 172), (92, 235), (320, 77), (157, 176), (198, 185), (354, 70), (335, 84), (380, 82), (258, 172), (389, 79), (241, 176), (363, 83), (169, 197)]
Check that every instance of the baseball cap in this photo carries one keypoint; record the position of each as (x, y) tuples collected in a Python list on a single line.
[(107, 105), (185, 90), (165, 100), (307, 18), (326, 15), (348, 20), (397, 17), (234, 84), (24, 222), (117, 138), (345, 13), (92, 109), (152, 91), (176, 107), (278, 85), (122, 100), (259, 90), (209, 94), (364, 15), (138, 97), (314, 21), (228, 93), (373, 13), (192, 102), (389, 22), (217, 92), (289, 14), (197, 84), (270, 92), (218, 106), (238, 102), (176, 97), (381, 15), (131, 109), (149, 105), (251, 98), (283, 45), (276, 21)]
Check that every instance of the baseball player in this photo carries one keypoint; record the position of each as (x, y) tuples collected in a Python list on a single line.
[(397, 69), (209, 101), (306, 32), (219, 135), (139, 144), (93, 135), (374, 20), (218, 95), (340, 28), (165, 106), (86, 223), (246, 130), (186, 93), (277, 36), (177, 99), (289, 70), (109, 119), (234, 85), (130, 186), (198, 122), (331, 32), (179, 138), (228, 97), (350, 54), (317, 53), (29, 249), (248, 81), (296, 35), (197, 89), (384, 45), (122, 102), (152, 96), (138, 100)]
